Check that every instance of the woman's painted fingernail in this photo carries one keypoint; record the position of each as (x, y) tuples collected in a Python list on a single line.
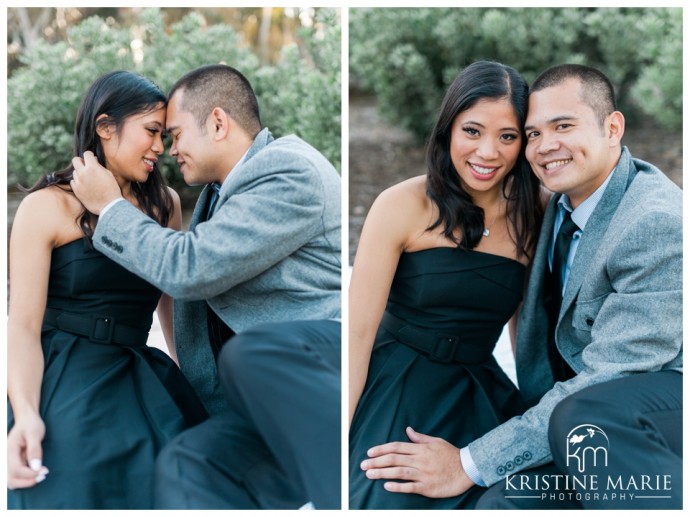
[(35, 464), (41, 477)]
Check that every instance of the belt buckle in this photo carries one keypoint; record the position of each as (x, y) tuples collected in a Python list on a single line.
[(444, 348), (100, 326)]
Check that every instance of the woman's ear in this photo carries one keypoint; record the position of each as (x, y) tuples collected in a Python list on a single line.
[(103, 128)]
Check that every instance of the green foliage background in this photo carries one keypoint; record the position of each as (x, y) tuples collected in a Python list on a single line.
[(409, 57), (300, 94)]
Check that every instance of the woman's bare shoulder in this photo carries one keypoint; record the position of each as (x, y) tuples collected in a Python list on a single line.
[(50, 211), (408, 194), (400, 213), (53, 198), (175, 196)]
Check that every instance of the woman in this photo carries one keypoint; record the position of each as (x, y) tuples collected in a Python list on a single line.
[(91, 404), (440, 269)]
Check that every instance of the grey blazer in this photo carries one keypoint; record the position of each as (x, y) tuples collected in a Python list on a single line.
[(270, 253), (621, 312)]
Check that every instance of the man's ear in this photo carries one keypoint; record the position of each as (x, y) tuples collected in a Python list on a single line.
[(220, 123), (103, 128), (615, 127)]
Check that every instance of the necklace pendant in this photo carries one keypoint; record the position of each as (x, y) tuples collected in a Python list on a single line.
[(486, 232)]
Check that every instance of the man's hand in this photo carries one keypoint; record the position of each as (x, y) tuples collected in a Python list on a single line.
[(25, 454), (429, 466), (93, 184)]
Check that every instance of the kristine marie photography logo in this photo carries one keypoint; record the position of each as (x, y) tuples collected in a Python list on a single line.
[(589, 477), (587, 443)]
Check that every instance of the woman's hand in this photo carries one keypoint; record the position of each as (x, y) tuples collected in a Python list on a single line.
[(25, 454)]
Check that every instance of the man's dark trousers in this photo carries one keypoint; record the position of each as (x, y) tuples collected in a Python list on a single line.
[(279, 444)]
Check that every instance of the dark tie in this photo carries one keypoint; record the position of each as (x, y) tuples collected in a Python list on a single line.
[(560, 252), (215, 193), (218, 331), (564, 238)]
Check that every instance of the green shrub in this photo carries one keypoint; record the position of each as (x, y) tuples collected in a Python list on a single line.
[(307, 103), (658, 89), (299, 95), (408, 57)]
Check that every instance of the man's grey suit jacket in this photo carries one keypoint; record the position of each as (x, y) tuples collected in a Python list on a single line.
[(270, 253), (621, 312)]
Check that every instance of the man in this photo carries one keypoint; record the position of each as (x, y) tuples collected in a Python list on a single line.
[(599, 346), (263, 247)]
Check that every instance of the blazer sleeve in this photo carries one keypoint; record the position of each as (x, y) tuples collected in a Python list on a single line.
[(636, 327), (264, 221)]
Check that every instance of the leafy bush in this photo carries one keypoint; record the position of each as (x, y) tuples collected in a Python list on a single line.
[(658, 89), (301, 94), (307, 103), (409, 57)]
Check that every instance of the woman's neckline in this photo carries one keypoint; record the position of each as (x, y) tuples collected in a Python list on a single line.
[(68, 243), (455, 248)]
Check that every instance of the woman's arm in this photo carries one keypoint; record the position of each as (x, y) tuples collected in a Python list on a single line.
[(384, 237), (165, 304), (36, 225)]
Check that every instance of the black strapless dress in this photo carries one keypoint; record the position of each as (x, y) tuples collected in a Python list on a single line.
[(109, 402), (455, 302)]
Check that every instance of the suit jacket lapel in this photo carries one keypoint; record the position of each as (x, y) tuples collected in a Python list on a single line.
[(541, 255), (262, 139), (200, 207), (532, 362), (596, 227)]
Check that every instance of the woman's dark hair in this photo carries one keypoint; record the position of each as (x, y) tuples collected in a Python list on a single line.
[(481, 80), (119, 95)]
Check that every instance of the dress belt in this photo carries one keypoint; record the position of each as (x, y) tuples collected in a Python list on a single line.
[(440, 347), (99, 329)]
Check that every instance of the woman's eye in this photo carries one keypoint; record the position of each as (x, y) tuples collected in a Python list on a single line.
[(470, 131)]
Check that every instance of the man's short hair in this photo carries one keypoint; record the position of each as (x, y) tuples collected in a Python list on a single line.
[(211, 86), (595, 88)]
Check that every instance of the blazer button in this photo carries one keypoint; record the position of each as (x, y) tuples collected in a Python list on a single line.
[(518, 460), (589, 322), (527, 455), (510, 466), (501, 470)]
